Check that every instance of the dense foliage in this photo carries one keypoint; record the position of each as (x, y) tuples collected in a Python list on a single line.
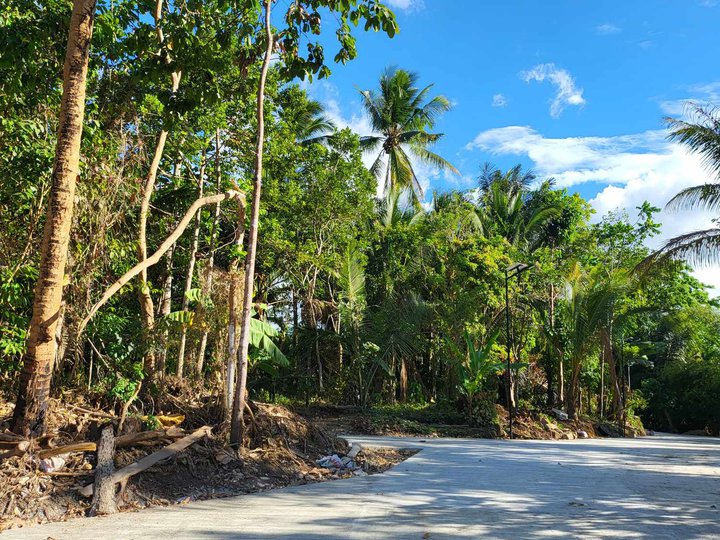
[(359, 299)]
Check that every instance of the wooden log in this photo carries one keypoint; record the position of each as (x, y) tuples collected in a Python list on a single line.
[(131, 439), (156, 457), (104, 497), (123, 441), (11, 437), (20, 448)]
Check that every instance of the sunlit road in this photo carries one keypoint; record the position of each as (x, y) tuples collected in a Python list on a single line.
[(656, 487)]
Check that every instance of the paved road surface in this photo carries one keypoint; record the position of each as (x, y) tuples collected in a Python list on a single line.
[(656, 487)]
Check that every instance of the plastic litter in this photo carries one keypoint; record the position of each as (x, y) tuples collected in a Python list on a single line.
[(52, 464), (336, 462)]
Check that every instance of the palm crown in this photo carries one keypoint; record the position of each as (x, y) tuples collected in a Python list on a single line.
[(400, 114)]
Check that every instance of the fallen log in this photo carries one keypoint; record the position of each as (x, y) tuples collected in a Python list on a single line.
[(123, 441), (131, 439), (156, 457)]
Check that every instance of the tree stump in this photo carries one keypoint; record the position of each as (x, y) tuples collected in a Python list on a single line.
[(104, 494)]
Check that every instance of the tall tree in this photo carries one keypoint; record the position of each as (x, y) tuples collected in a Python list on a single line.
[(31, 407), (400, 116), (237, 422)]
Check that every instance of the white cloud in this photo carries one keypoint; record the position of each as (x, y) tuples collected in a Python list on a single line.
[(636, 168), (499, 100), (607, 29), (566, 91), (647, 44), (406, 5), (701, 94)]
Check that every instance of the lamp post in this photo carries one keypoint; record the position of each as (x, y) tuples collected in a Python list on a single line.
[(511, 271)]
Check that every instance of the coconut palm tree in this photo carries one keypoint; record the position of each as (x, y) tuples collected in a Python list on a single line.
[(585, 313), (509, 207), (401, 113), (313, 125), (701, 136)]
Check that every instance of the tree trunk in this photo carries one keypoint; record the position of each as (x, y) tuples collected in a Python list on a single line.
[(166, 300), (601, 403), (104, 493), (32, 402), (211, 260), (574, 391), (234, 302), (237, 424), (147, 315), (146, 303), (191, 267), (166, 308), (403, 381), (617, 406)]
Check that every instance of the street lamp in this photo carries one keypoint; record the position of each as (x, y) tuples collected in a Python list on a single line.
[(511, 271)]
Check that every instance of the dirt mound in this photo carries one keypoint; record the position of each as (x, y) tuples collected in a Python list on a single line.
[(274, 426)]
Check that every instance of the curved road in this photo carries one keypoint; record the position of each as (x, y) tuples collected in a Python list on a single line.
[(654, 487)]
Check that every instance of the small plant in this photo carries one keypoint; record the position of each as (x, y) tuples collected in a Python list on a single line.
[(476, 366)]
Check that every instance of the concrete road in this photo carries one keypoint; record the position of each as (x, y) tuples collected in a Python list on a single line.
[(656, 487)]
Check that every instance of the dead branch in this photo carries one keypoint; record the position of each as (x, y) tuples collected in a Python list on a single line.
[(91, 412), (67, 449), (126, 405), (155, 257)]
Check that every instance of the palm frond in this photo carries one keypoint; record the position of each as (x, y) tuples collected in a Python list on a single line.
[(706, 196), (699, 248), (701, 136), (433, 159)]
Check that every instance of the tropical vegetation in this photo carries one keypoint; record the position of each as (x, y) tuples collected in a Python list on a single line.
[(175, 206)]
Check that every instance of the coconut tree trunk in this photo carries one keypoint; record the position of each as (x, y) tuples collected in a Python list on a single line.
[(574, 390), (237, 423), (32, 402), (191, 268), (617, 406)]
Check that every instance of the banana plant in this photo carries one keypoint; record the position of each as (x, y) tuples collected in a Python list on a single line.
[(477, 366)]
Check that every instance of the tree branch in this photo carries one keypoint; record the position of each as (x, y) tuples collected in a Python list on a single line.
[(155, 257)]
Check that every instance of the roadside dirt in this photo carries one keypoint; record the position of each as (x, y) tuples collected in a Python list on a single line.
[(527, 425), (281, 451)]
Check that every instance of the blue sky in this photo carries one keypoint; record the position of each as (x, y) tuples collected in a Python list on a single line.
[(573, 89)]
